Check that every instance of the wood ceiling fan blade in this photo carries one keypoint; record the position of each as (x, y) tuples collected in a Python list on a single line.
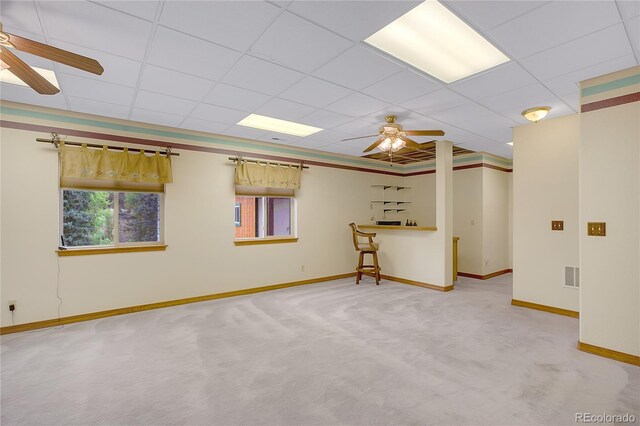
[(424, 132), (410, 143), (27, 74), (57, 55), (359, 137), (374, 145)]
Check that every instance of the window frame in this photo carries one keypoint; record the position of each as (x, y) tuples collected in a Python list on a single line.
[(293, 222), (116, 220)]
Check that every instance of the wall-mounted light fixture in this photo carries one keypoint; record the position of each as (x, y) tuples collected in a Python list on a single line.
[(536, 113)]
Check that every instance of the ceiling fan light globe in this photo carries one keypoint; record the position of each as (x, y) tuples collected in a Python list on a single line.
[(397, 145), (385, 145)]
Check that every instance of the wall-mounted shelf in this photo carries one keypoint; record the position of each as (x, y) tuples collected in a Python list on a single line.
[(391, 202), (385, 187), (394, 210)]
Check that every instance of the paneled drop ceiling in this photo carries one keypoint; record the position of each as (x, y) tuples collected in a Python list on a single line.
[(205, 65)]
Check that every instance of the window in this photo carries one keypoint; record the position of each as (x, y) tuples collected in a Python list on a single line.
[(110, 218), (265, 217)]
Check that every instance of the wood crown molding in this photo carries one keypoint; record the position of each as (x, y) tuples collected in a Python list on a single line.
[(545, 308), (139, 308)]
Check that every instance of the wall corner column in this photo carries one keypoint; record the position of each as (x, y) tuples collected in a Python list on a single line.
[(444, 210)]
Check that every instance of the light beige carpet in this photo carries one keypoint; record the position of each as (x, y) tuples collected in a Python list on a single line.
[(322, 354)]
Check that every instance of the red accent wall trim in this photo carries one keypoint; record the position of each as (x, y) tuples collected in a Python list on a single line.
[(611, 102), (188, 147)]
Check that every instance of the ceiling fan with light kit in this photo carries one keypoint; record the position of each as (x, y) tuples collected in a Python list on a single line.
[(15, 65), (392, 137)]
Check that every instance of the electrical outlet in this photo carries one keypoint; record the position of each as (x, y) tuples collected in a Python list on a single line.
[(597, 229), (11, 303), (557, 225)]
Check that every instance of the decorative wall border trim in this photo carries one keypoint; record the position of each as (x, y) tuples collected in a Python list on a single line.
[(545, 308), (186, 147), (466, 166), (139, 308), (485, 277), (609, 353), (417, 283), (611, 102)]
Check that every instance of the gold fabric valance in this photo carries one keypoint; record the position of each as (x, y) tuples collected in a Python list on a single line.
[(267, 175), (82, 167)]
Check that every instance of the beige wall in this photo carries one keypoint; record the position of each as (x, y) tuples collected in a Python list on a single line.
[(495, 221), (610, 192), (545, 188), (467, 218), (201, 258)]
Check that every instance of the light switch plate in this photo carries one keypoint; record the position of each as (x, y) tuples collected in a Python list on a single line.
[(597, 229), (557, 225)]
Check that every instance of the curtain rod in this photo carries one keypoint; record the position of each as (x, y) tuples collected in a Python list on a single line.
[(267, 162), (55, 140)]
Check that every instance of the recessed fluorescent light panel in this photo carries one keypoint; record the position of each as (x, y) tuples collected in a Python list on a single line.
[(7, 77), (434, 40), (276, 125), (510, 143)]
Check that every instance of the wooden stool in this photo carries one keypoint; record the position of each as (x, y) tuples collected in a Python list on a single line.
[(366, 248)]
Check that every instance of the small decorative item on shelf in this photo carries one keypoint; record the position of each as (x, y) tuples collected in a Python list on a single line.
[(407, 224)]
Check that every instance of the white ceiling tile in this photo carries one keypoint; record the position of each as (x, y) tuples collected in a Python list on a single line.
[(234, 24), (155, 117), (88, 106), (628, 8), (117, 69), (361, 127), (347, 148), (203, 125), (400, 87), (439, 100), (357, 104), (315, 92), (512, 103), (280, 138), (587, 51), (236, 98), (325, 119), (190, 55), (218, 114), (145, 9), (478, 120), (163, 103), (572, 99), (633, 29), (309, 143), (19, 16), (357, 68), (552, 24), (173, 83), (569, 83), (36, 61), (355, 20), (497, 80), (488, 14), (261, 76), (244, 132), (26, 95), (298, 44), (326, 137), (87, 88), (96, 27), (284, 110)]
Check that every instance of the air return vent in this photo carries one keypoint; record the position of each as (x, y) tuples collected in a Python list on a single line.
[(571, 276)]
